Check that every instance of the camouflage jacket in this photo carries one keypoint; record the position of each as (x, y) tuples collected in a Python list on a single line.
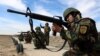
[(46, 29), (84, 30)]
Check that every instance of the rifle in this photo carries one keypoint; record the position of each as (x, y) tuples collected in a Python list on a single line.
[(41, 17), (59, 21)]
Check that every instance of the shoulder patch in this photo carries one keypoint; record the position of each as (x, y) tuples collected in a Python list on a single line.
[(85, 25)]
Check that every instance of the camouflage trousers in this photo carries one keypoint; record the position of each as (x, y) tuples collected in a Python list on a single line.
[(47, 38)]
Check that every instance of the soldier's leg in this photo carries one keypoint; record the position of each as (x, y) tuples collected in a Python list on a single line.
[(29, 39), (47, 39), (43, 45), (36, 43)]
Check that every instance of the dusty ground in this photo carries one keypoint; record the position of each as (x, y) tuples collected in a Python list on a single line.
[(7, 47), (57, 42)]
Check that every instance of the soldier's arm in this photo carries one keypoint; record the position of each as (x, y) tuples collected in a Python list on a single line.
[(65, 34), (49, 29), (69, 36), (41, 26), (94, 31)]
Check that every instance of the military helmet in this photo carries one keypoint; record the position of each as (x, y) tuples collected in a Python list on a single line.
[(70, 10), (37, 28), (46, 24)]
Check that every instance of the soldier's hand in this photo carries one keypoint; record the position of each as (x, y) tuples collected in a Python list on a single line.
[(56, 27)]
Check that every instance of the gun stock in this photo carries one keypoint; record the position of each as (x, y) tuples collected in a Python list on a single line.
[(40, 17)]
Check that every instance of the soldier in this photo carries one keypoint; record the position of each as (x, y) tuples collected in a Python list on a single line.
[(81, 34), (46, 32), (41, 39), (21, 37), (28, 37)]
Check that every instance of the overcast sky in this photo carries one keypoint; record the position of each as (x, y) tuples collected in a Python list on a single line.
[(13, 23)]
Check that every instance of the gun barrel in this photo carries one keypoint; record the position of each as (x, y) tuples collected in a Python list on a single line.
[(13, 11), (43, 17)]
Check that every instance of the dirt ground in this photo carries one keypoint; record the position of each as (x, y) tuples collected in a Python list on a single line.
[(57, 42), (7, 47)]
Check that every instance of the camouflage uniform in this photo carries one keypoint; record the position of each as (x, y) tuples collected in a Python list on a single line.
[(40, 35), (46, 32), (79, 34), (28, 37), (21, 37)]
